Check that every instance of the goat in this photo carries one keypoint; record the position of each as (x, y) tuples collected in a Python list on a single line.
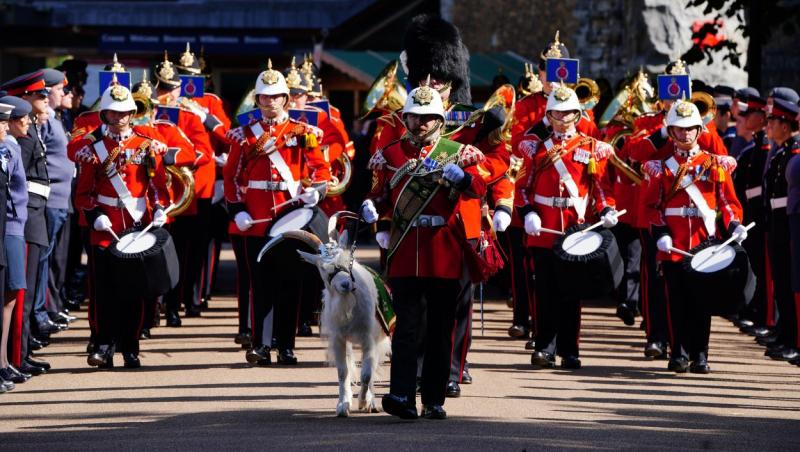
[(350, 301)]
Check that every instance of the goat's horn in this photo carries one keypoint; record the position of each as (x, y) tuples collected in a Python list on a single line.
[(306, 237), (334, 220)]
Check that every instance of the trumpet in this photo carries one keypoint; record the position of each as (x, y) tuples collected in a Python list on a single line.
[(706, 105), (588, 93)]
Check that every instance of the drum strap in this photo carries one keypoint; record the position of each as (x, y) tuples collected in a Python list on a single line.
[(278, 162), (130, 203), (709, 216), (579, 202)]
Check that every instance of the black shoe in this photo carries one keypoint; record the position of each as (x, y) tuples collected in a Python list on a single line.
[(72, 305), (29, 368), (173, 319), (700, 366), (466, 378), (43, 364), (433, 412), (570, 362), (543, 359), (744, 323), (50, 327), (193, 311), (678, 365), (519, 331), (655, 350), (304, 330), (762, 332), (259, 356), (145, 334), (243, 339), (774, 349), (626, 314), (6, 385), (103, 358), (768, 341), (453, 389), (286, 356), (785, 354), (63, 317), (399, 406), (13, 375), (530, 345), (795, 361), (131, 360), (36, 344)]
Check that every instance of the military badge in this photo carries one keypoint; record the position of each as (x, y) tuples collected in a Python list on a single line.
[(582, 156), (270, 76), (563, 93), (562, 70), (671, 87), (119, 93), (423, 96), (684, 109), (192, 85)]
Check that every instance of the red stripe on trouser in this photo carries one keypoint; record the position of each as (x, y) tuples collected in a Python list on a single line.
[(770, 310), (16, 329), (797, 318)]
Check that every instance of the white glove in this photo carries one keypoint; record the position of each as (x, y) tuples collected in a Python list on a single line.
[(369, 212), (664, 244), (739, 233), (310, 196), (501, 220), (533, 224), (382, 238), (102, 223), (610, 219), (243, 221), (453, 173), (159, 218), (664, 133), (221, 159)]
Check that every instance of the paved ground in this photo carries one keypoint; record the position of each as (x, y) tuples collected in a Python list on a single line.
[(195, 392)]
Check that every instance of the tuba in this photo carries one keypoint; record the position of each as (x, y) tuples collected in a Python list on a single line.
[(341, 175), (144, 108), (588, 93), (185, 193), (706, 105), (505, 97), (386, 92)]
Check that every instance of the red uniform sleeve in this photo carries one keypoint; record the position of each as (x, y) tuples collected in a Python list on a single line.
[(231, 171)]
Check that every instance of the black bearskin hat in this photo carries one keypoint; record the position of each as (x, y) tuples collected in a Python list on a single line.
[(433, 46)]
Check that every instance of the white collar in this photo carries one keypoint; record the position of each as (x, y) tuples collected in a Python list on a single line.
[(568, 135), (119, 137), (687, 154), (280, 119)]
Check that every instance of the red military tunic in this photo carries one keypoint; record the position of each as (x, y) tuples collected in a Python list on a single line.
[(435, 252), (626, 192), (715, 185), (578, 153), (87, 122), (249, 168), (389, 128), (94, 189), (529, 110), (212, 105)]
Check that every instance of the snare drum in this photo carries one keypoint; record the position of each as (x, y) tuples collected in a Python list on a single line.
[(146, 266), (723, 281), (588, 265)]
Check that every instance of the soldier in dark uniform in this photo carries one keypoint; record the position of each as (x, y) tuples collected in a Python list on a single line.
[(31, 88), (782, 130)]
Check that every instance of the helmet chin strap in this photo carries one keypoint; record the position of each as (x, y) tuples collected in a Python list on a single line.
[(428, 137), (562, 123), (681, 144)]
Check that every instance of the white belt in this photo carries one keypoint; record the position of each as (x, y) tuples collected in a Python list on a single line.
[(39, 189), (268, 185), (428, 221), (682, 212), (111, 201), (778, 203), (553, 201), (751, 193)]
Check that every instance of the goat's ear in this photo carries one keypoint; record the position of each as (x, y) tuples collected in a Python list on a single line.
[(343, 240), (312, 259)]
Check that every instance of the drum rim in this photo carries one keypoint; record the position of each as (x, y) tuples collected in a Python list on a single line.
[(558, 248), (162, 237)]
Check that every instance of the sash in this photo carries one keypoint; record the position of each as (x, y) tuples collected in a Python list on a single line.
[(128, 201), (709, 215), (580, 203), (278, 162), (419, 190)]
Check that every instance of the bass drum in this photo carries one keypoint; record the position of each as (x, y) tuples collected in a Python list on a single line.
[(588, 264), (723, 281), (145, 266), (309, 219)]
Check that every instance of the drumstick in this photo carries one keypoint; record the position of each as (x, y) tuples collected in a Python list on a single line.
[(552, 231), (113, 234), (600, 223), (732, 238), (149, 227), (288, 201), (681, 252), (262, 220)]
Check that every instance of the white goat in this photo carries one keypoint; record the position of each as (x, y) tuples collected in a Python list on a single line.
[(348, 317)]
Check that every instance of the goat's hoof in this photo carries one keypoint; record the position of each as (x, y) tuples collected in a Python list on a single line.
[(343, 409)]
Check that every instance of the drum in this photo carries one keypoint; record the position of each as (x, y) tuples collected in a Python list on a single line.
[(311, 219), (146, 266), (588, 265), (723, 281), (384, 311), (284, 254)]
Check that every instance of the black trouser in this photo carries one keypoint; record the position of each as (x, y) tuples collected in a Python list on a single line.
[(430, 302), (462, 332), (761, 309), (31, 282), (58, 268), (243, 290), (653, 299), (218, 234), (558, 317), (513, 240), (689, 321), (119, 315), (190, 234), (780, 264), (630, 248)]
